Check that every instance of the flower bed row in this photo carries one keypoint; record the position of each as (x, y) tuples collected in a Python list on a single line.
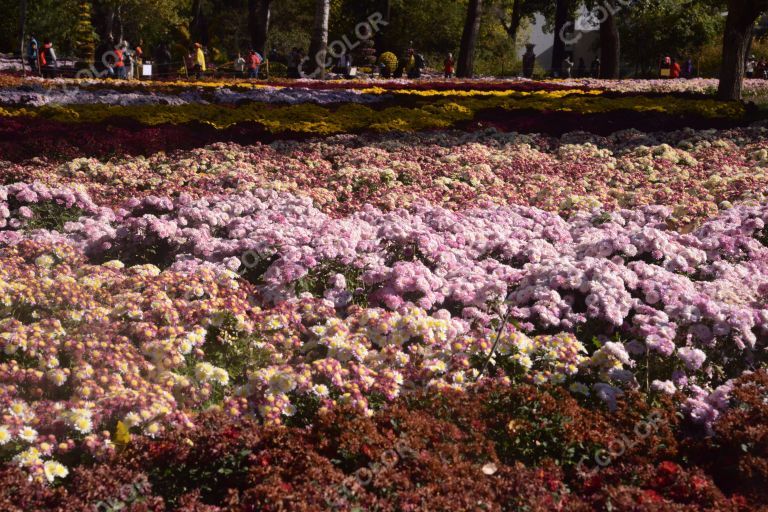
[(348, 118), (695, 173), (686, 310), (706, 86), (497, 447)]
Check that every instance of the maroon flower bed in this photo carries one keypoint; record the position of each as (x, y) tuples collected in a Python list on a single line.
[(556, 123), (507, 448), (25, 138)]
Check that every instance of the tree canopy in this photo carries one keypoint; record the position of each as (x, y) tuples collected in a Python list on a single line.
[(633, 39)]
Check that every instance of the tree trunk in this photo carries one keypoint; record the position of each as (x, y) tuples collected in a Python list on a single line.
[(318, 48), (198, 29), (22, 34), (742, 15), (466, 64), (120, 33), (558, 47), (513, 26), (610, 43), (103, 20), (258, 23)]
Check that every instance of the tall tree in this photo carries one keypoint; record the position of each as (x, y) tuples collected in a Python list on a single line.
[(259, 12), (318, 47), (198, 26), (22, 33), (742, 15), (558, 48), (511, 13), (466, 63), (610, 42)]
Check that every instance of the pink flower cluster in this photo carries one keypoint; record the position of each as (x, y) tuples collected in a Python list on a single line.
[(684, 305)]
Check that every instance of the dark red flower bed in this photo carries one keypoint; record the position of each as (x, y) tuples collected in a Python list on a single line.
[(25, 138), (558, 123), (495, 448)]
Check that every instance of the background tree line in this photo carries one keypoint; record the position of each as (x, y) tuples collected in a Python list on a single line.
[(484, 34)]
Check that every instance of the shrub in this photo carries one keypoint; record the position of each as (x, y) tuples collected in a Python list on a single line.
[(389, 60)]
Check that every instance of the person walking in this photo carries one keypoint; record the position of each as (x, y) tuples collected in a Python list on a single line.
[(688, 69), (750, 68), (595, 68), (254, 63), (567, 67), (128, 60), (48, 62), (674, 70), (138, 59), (33, 56), (239, 66), (760, 69), (199, 61), (449, 66), (120, 62), (345, 65)]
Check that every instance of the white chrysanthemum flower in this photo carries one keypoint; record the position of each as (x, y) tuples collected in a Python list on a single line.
[(83, 424), (53, 470), (204, 371), (28, 458), (114, 264), (132, 419), (5, 435), (45, 261), (282, 383), (28, 434), (320, 390), (220, 376), (152, 429), (19, 409)]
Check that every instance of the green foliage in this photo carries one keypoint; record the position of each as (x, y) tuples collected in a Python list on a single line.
[(229, 348), (317, 280), (651, 29), (52, 216)]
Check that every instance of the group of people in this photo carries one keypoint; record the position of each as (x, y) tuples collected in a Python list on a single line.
[(671, 68), (124, 62), (118, 61), (252, 64), (42, 60), (581, 70), (756, 68)]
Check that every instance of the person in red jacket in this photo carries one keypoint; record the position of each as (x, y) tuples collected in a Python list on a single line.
[(48, 61), (120, 63), (449, 66), (254, 63), (674, 71)]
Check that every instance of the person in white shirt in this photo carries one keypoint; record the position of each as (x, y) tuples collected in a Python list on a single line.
[(240, 65)]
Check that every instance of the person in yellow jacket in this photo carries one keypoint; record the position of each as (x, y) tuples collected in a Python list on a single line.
[(199, 61)]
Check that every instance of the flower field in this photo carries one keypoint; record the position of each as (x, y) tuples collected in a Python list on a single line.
[(382, 297)]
